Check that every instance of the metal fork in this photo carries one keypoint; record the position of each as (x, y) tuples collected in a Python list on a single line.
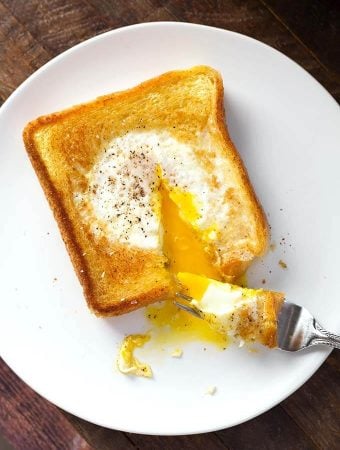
[(297, 329)]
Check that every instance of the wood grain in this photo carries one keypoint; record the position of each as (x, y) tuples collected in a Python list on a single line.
[(132, 11), (100, 437), (323, 30), (20, 54), (58, 24), (316, 408), (270, 431), (32, 32), (194, 442)]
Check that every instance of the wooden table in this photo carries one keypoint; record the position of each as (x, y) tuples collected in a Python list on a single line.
[(31, 33)]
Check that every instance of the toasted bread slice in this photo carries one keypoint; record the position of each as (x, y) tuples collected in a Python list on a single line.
[(248, 315), (105, 166)]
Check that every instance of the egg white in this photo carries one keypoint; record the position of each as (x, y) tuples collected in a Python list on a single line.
[(123, 199), (221, 304)]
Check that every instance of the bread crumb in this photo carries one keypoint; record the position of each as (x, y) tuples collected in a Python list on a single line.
[(211, 390), (177, 353), (253, 350), (282, 264), (272, 246)]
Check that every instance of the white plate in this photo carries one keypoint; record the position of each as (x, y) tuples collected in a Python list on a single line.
[(286, 127)]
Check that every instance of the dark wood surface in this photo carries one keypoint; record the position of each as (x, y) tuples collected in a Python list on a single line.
[(31, 33)]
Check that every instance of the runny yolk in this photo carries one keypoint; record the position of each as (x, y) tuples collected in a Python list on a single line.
[(181, 244), (174, 326), (185, 252)]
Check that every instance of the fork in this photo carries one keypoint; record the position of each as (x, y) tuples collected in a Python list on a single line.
[(296, 327)]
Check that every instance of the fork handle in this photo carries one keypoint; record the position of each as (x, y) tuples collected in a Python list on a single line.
[(325, 337)]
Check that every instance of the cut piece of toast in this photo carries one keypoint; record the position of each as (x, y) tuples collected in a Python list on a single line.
[(107, 165), (248, 315)]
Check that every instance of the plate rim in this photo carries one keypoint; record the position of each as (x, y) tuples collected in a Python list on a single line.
[(322, 357)]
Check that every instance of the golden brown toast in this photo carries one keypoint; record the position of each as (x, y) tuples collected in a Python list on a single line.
[(187, 108)]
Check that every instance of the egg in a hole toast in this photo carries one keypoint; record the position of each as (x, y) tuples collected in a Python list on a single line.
[(146, 183)]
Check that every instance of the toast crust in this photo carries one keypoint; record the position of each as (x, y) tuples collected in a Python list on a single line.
[(75, 249), (134, 277), (263, 328), (265, 331), (239, 265)]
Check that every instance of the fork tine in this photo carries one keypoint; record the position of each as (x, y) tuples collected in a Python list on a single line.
[(187, 308), (183, 296)]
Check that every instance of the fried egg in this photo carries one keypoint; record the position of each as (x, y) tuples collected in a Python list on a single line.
[(127, 363), (123, 199)]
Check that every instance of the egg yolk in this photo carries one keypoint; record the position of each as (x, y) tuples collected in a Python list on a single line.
[(127, 362), (186, 253), (181, 243)]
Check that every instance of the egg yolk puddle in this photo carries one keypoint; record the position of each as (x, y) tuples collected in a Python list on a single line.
[(185, 252)]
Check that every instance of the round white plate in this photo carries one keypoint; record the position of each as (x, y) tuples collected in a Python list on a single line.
[(287, 130)]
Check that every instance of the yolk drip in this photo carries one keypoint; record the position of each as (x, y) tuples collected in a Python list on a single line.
[(185, 252), (196, 285), (181, 244), (174, 326)]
